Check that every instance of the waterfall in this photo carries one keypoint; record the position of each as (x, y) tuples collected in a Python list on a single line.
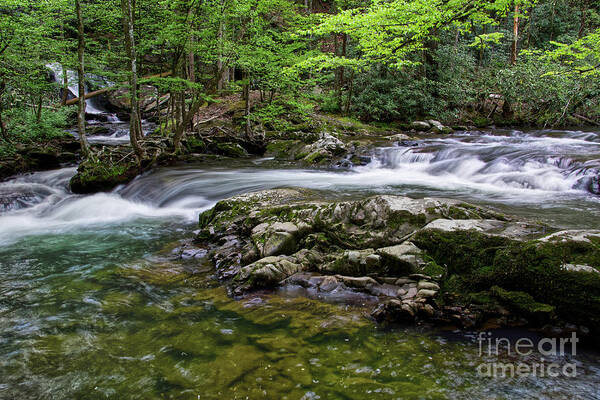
[(73, 88)]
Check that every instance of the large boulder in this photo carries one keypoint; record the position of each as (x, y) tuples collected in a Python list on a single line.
[(420, 126), (323, 150), (436, 259)]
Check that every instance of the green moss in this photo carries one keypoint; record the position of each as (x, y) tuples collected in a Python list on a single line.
[(476, 262), (481, 298), (481, 122), (521, 301), (433, 269), (462, 212), (315, 158), (399, 219), (206, 218), (281, 148), (99, 175), (463, 251), (231, 150), (195, 145)]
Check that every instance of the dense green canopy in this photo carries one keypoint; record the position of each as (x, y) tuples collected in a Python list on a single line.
[(382, 60)]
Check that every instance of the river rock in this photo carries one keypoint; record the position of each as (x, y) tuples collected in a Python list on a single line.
[(438, 127), (271, 238), (399, 137), (324, 149), (428, 285), (420, 126), (580, 268), (426, 293), (581, 236), (275, 239), (403, 258), (357, 282), (594, 185), (518, 231), (268, 271)]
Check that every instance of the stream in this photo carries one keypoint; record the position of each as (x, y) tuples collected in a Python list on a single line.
[(95, 301)]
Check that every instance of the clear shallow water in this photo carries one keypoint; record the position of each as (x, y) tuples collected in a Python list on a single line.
[(122, 319), (93, 303)]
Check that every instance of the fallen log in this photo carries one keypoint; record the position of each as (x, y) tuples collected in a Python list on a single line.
[(585, 119), (106, 89)]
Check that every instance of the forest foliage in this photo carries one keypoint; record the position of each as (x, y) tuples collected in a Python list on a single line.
[(377, 60)]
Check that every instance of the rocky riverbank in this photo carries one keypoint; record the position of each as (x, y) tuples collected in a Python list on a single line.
[(427, 260), (31, 157), (324, 142)]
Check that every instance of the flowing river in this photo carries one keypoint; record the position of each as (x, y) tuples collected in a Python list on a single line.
[(96, 302)]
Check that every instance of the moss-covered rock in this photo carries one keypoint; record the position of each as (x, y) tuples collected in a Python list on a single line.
[(231, 150), (94, 176), (439, 254), (522, 302)]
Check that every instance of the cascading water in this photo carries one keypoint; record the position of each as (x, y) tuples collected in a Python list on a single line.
[(563, 163), (543, 175), (96, 304), (73, 91), (111, 130)]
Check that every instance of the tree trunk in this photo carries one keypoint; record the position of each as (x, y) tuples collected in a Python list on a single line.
[(583, 21), (220, 34), (65, 92), (191, 61), (339, 72), (85, 147), (187, 119), (246, 95), (515, 44), (38, 113), (350, 90), (134, 133), (507, 110), (2, 125)]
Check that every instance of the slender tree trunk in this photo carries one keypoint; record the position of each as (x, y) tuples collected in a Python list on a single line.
[(38, 114), (3, 129), (552, 20), (130, 44), (187, 119), (65, 92), (246, 95), (583, 21), (339, 71), (190, 58), (85, 147), (515, 45), (481, 49), (350, 90), (530, 25), (342, 71), (220, 67)]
